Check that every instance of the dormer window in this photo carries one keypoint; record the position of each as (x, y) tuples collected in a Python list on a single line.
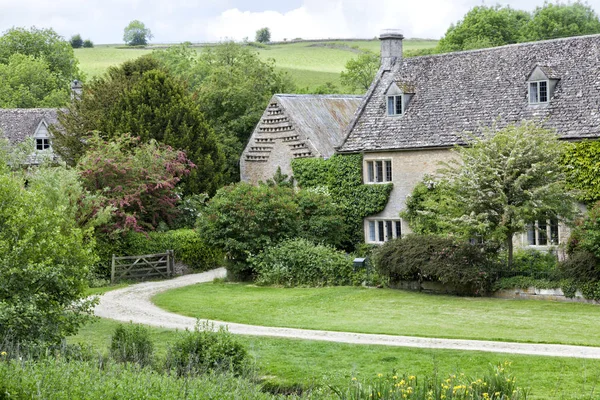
[(42, 143), (42, 137), (538, 92), (541, 82), (394, 105)]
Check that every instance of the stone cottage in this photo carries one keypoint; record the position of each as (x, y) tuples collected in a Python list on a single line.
[(19, 124), (295, 126), (416, 109)]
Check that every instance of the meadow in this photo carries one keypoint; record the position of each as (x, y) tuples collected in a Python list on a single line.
[(310, 63)]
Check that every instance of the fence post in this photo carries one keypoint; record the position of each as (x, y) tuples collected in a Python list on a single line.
[(112, 270), (171, 263)]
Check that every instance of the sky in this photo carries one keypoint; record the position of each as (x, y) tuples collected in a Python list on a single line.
[(176, 21)]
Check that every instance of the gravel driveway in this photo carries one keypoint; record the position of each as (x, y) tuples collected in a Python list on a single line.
[(133, 304)]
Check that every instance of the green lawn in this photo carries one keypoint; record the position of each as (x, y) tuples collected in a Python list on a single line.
[(310, 64), (289, 362), (389, 311)]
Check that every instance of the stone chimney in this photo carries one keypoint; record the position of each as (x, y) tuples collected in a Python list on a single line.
[(76, 89), (391, 46)]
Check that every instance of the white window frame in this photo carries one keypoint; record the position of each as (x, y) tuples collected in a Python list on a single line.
[(538, 94), (373, 175), (534, 233), (378, 230), (394, 111)]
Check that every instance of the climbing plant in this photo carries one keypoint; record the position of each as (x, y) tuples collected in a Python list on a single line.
[(582, 165), (342, 175)]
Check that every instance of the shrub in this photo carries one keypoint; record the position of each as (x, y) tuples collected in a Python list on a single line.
[(76, 41), (581, 266), (319, 219), (470, 267), (301, 262), (530, 262), (207, 350), (88, 44), (132, 343)]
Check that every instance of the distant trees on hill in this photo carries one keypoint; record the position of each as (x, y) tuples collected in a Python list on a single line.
[(136, 34)]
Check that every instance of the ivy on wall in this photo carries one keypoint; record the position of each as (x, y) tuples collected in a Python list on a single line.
[(342, 175), (582, 167)]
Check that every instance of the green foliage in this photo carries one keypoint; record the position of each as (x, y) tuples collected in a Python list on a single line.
[(586, 234), (497, 384), (136, 34), (581, 162), (231, 86), (140, 98), (28, 82), (484, 27), (298, 262), (60, 379), (187, 244), (359, 72), (319, 217), (506, 179), (132, 343), (552, 21), (581, 266), (46, 45), (342, 175), (467, 266), (207, 350), (88, 44), (531, 262), (76, 41), (45, 259), (263, 35)]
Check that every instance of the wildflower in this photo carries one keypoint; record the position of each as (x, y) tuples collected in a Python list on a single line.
[(3, 353), (353, 378), (394, 377), (379, 375)]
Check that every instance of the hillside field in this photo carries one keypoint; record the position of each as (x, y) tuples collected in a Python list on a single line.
[(310, 63)]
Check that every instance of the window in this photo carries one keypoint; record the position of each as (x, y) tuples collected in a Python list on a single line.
[(538, 92), (42, 143), (383, 230), (394, 105), (379, 171), (543, 233)]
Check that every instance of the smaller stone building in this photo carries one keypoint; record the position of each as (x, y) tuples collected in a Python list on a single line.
[(296, 126)]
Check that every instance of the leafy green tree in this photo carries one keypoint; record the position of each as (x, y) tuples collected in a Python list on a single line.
[(47, 48), (561, 20), (484, 27), (137, 180), (76, 41), (360, 71), (232, 86), (28, 82), (140, 98), (136, 34), (88, 44), (507, 179), (45, 258), (263, 35)]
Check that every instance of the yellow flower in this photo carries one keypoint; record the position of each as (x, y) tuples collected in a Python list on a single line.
[(353, 378), (379, 375), (3, 353), (395, 377), (412, 377)]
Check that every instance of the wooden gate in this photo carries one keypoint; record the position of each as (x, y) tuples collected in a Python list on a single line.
[(142, 267)]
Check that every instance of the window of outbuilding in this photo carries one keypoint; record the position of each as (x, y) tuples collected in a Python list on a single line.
[(394, 105), (538, 92)]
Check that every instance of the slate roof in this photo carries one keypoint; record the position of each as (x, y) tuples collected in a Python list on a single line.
[(313, 125), (17, 124), (466, 91)]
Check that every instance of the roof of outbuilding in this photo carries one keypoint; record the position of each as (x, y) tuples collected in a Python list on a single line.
[(17, 124), (321, 118), (467, 91)]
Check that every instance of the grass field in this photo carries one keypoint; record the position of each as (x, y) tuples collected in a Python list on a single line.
[(389, 311), (290, 363), (310, 64)]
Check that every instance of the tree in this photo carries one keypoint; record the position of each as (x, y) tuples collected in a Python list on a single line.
[(45, 46), (28, 82), (136, 34), (263, 35), (137, 180), (76, 41), (484, 27), (561, 20), (88, 44), (140, 98), (506, 180), (232, 86), (45, 258), (360, 71)]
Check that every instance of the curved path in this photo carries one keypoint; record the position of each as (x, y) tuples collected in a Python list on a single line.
[(133, 304)]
